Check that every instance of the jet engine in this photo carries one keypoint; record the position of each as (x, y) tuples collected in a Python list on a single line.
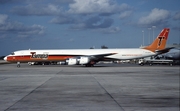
[(78, 60)]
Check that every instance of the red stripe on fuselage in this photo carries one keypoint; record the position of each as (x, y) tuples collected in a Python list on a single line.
[(28, 58)]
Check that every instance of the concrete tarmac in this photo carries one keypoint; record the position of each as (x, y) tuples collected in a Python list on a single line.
[(101, 88)]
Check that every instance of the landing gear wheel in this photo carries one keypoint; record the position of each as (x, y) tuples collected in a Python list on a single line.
[(89, 65)]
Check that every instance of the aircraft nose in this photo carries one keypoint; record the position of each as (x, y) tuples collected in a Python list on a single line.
[(5, 58)]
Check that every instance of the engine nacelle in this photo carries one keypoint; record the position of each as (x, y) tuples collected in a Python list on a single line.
[(84, 60), (78, 61), (71, 61)]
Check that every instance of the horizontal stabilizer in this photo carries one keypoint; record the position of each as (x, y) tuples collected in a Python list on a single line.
[(164, 50)]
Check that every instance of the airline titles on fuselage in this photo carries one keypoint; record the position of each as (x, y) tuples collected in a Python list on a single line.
[(38, 56)]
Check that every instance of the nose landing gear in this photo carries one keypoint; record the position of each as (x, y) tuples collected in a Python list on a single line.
[(18, 64)]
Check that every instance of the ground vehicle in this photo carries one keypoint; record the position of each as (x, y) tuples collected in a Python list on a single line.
[(154, 61)]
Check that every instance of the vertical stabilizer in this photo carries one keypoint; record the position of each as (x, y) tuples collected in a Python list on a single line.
[(160, 42)]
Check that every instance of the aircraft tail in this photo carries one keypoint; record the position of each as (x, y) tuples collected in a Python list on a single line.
[(160, 42)]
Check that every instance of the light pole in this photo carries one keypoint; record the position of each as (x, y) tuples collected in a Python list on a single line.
[(143, 37), (149, 34), (153, 27)]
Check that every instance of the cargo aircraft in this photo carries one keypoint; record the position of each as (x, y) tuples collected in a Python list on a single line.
[(89, 57)]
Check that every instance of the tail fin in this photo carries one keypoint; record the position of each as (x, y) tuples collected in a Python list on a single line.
[(160, 42)]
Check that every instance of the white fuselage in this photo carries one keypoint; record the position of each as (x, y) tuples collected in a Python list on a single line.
[(59, 55)]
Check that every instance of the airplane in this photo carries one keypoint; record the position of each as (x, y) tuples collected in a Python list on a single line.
[(173, 54), (89, 57)]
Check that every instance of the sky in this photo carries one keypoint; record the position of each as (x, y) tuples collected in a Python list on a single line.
[(82, 24)]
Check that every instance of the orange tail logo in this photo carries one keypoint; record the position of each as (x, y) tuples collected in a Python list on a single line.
[(160, 42)]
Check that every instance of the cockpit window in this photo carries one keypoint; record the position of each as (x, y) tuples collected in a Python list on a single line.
[(12, 53)]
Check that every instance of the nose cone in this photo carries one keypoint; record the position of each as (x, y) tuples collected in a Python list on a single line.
[(5, 58)]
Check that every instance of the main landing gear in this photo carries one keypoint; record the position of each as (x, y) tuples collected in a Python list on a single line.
[(89, 65)]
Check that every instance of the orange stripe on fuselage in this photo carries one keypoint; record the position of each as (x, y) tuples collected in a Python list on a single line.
[(30, 59)]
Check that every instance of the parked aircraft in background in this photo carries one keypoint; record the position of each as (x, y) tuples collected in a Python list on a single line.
[(173, 54), (89, 57)]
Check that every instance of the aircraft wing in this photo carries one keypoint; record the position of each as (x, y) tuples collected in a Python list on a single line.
[(100, 56)]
